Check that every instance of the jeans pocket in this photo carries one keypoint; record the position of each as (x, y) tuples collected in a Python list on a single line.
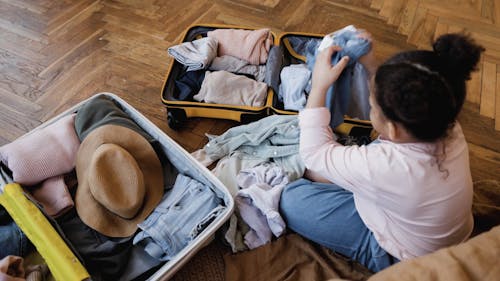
[(206, 221)]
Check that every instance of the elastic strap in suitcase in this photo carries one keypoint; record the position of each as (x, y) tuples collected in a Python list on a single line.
[(63, 264)]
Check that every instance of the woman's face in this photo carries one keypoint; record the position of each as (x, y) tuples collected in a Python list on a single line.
[(379, 121)]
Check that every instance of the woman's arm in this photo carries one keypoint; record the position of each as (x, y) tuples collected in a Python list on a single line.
[(324, 75), (326, 159)]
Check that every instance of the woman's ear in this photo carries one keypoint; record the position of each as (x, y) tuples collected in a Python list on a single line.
[(397, 133), (392, 130)]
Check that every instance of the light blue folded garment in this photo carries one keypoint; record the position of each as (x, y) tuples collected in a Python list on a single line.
[(197, 54), (339, 95)]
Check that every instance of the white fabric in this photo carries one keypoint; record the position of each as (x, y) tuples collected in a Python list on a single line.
[(197, 54), (258, 202), (295, 79)]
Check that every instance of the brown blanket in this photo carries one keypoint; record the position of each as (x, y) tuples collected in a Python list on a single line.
[(486, 205), (293, 258), (289, 258), (475, 260)]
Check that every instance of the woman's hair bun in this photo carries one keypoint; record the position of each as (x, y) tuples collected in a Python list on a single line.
[(458, 54)]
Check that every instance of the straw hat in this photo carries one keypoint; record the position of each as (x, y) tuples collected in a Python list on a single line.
[(120, 180)]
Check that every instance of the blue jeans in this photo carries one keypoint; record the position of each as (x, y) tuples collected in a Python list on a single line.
[(184, 212), (325, 214), (340, 96), (12, 240)]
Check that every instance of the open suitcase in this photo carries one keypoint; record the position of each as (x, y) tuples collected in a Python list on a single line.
[(45, 234), (282, 53), (179, 110)]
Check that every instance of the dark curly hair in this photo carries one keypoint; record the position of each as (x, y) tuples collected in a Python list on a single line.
[(425, 90)]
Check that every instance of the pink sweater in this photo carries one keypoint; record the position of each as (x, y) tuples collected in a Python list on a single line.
[(400, 194)]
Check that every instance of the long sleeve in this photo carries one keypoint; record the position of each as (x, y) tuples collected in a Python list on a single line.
[(343, 165), (401, 193)]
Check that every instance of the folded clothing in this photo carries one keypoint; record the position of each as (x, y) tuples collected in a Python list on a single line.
[(105, 258), (54, 196), (250, 45), (32, 158), (238, 66), (295, 83), (184, 212), (195, 55), (228, 88), (188, 84)]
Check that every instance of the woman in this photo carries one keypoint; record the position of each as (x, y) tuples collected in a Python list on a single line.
[(406, 194)]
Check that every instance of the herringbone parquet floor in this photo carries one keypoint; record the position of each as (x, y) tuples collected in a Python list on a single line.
[(54, 54), (424, 19)]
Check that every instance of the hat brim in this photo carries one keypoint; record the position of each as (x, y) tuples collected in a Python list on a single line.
[(97, 216)]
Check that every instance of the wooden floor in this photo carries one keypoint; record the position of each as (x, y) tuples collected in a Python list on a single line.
[(54, 54)]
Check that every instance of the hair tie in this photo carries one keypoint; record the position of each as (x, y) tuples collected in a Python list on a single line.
[(431, 72), (423, 68)]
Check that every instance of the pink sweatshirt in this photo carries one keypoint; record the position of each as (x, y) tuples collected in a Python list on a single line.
[(400, 194)]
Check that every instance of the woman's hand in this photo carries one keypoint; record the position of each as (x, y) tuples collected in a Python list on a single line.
[(324, 75), (368, 60)]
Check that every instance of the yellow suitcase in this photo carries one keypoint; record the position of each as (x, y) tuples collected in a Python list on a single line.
[(179, 111)]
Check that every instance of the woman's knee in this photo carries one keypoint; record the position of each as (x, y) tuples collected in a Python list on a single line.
[(291, 199)]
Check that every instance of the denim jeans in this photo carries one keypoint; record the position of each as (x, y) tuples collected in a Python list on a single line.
[(326, 214), (183, 213), (339, 95), (12, 240)]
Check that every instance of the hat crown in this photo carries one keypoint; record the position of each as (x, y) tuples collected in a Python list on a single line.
[(120, 180), (116, 181)]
